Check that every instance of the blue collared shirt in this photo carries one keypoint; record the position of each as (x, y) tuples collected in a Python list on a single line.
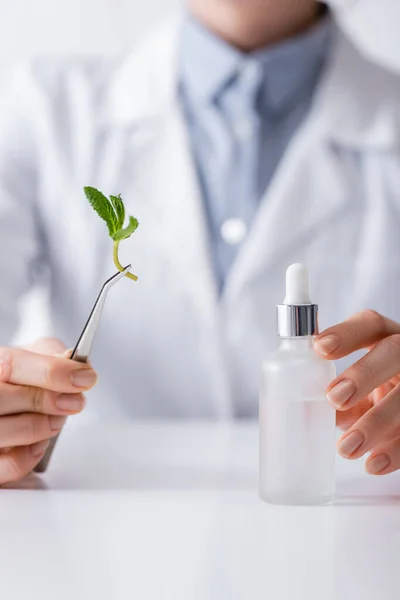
[(242, 110)]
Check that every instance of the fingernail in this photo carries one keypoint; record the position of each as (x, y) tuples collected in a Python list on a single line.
[(69, 402), (56, 423), (39, 448), (328, 343), (377, 464), (349, 444), (84, 378), (342, 392)]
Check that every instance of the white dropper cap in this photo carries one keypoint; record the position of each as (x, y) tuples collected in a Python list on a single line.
[(297, 316), (297, 285)]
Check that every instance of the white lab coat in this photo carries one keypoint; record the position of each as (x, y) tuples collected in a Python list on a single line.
[(372, 26), (168, 345)]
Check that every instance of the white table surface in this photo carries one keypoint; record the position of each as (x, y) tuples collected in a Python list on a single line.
[(170, 511)]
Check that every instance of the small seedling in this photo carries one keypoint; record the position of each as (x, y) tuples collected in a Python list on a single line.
[(112, 211)]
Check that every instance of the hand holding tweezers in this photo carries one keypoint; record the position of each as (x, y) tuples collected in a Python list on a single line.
[(83, 347)]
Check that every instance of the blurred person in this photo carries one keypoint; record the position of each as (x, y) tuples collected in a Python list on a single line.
[(245, 136)]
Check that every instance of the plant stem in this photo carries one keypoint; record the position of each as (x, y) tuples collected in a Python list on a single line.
[(118, 264)]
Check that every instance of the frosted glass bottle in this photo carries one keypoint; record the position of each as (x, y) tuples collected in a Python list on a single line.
[(297, 424)]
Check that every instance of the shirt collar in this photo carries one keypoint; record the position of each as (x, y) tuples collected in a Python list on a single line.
[(208, 65)]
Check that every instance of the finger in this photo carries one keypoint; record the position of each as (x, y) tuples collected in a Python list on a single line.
[(49, 346), (385, 459), (21, 367), (362, 330), (372, 370), (380, 392), (16, 399), (18, 462), (27, 429), (345, 419), (373, 427)]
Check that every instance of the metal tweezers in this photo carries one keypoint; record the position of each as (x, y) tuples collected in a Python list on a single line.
[(83, 347)]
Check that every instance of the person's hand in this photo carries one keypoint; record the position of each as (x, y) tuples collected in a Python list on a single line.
[(367, 395), (39, 388)]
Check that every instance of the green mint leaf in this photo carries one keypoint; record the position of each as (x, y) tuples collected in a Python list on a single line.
[(104, 209), (119, 208), (123, 234)]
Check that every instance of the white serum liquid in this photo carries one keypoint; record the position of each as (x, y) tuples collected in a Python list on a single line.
[(297, 426)]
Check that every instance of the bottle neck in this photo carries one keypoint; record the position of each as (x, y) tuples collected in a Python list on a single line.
[(302, 343), (297, 320)]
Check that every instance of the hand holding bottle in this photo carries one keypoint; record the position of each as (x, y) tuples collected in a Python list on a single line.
[(367, 395)]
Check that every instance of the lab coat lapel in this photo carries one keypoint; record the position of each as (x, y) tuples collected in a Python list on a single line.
[(166, 178), (312, 182), (152, 149), (308, 189)]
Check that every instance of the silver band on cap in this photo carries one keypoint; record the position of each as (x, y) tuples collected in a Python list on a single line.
[(297, 320)]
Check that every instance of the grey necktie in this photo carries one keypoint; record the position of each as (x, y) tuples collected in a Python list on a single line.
[(238, 161)]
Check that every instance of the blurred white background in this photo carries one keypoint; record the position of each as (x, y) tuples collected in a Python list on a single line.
[(75, 26), (63, 27)]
